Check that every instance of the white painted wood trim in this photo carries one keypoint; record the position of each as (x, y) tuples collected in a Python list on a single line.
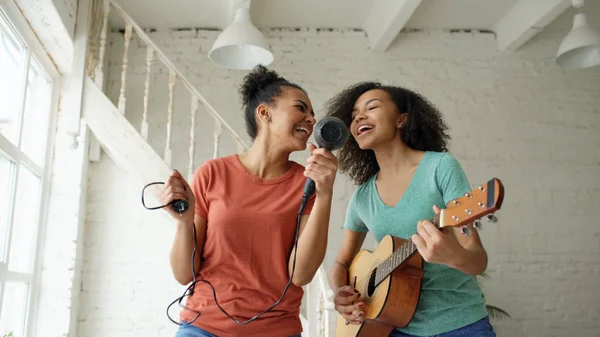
[(23, 30), (99, 73), (95, 150), (127, 37), (19, 277), (525, 20), (43, 214), (172, 81), (217, 137), (80, 235), (326, 291), (11, 210), (149, 58), (42, 16), (319, 304), (186, 83), (192, 151), (73, 83), (13, 151), (386, 20)]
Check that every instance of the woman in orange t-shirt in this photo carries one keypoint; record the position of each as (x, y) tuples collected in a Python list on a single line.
[(245, 216)]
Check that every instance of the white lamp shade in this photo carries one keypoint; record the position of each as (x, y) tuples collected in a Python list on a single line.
[(241, 45), (581, 47)]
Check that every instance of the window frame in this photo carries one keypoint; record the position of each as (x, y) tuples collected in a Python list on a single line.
[(19, 27)]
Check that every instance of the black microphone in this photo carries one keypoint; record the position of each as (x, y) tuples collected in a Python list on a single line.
[(330, 133)]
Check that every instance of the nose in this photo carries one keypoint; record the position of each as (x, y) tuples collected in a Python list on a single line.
[(359, 116), (311, 120)]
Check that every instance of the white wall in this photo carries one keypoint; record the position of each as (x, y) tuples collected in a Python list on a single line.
[(516, 116)]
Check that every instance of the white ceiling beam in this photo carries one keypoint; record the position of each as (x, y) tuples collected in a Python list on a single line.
[(524, 20), (386, 20)]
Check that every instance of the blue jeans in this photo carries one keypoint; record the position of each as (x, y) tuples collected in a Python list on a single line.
[(189, 330), (481, 328)]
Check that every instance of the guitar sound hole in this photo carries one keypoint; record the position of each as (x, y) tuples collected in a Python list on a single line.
[(371, 286)]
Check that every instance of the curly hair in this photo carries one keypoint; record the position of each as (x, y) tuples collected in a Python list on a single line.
[(424, 130), (261, 85)]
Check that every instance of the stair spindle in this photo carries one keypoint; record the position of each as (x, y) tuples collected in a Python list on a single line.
[(172, 80), (128, 33), (320, 315), (192, 138), (149, 58), (217, 138), (99, 73)]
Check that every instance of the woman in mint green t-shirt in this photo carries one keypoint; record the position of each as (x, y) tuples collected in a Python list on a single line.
[(397, 155)]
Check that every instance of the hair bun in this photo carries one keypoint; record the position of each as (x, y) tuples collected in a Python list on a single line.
[(257, 80)]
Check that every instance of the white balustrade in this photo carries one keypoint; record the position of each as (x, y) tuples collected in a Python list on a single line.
[(175, 76)]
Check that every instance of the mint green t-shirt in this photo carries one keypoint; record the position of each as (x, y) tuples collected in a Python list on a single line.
[(449, 298)]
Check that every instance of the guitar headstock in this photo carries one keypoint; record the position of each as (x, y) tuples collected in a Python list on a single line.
[(471, 207)]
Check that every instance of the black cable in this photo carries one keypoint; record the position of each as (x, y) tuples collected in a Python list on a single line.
[(189, 291), (178, 205)]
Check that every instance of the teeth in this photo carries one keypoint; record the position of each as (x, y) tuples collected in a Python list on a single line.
[(364, 127), (301, 129)]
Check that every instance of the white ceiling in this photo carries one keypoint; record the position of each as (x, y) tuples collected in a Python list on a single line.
[(482, 14), (511, 20)]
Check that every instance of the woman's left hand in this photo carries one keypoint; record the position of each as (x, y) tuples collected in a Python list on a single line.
[(434, 245), (322, 168)]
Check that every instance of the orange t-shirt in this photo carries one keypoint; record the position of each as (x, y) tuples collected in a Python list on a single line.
[(250, 233)]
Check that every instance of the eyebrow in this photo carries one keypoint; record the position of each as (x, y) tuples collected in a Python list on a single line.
[(367, 103), (373, 99), (305, 106)]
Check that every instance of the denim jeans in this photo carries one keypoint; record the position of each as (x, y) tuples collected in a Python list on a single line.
[(189, 330), (481, 328)]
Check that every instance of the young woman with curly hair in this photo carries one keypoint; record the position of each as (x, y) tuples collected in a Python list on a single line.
[(243, 215), (398, 156)]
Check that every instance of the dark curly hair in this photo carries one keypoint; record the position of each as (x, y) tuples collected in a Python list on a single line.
[(424, 129), (260, 86)]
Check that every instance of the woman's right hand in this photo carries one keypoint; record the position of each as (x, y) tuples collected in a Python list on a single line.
[(344, 301), (176, 188)]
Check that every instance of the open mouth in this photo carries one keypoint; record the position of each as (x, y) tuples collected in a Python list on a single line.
[(363, 129), (303, 130)]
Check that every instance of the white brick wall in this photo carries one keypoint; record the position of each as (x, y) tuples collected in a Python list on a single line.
[(516, 116)]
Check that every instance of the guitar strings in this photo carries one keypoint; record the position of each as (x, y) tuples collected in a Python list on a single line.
[(362, 282)]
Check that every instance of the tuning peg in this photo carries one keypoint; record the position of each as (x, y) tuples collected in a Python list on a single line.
[(492, 218), (477, 224), (465, 230)]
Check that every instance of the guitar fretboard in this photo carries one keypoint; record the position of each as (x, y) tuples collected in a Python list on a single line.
[(398, 257)]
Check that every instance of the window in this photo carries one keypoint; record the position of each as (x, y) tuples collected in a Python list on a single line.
[(26, 105)]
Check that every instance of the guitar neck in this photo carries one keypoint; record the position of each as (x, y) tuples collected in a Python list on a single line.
[(398, 257)]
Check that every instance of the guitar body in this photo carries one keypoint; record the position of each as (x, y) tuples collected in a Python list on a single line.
[(393, 302)]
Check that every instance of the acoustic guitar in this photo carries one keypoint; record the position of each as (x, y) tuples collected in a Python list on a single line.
[(389, 278)]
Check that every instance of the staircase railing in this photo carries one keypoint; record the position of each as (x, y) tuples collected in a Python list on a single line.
[(97, 71)]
